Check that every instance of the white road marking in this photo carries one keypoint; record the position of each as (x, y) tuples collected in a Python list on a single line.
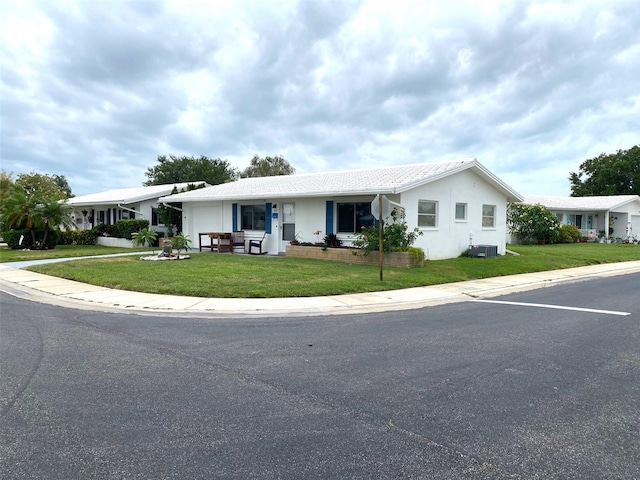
[(557, 307)]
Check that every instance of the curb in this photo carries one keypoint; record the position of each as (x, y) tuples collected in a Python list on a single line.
[(56, 291)]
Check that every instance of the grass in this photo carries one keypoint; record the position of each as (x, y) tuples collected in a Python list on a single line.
[(63, 251), (223, 275)]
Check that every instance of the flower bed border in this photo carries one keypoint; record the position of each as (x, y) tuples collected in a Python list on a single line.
[(352, 255)]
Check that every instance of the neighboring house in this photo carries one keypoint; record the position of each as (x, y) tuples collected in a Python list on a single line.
[(106, 208), (606, 216), (453, 203)]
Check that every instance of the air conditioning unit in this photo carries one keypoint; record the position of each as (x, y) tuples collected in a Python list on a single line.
[(483, 251)]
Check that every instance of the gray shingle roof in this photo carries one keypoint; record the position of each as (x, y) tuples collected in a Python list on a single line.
[(580, 203), (385, 180), (127, 195)]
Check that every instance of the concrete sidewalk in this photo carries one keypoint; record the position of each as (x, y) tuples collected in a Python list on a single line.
[(53, 290)]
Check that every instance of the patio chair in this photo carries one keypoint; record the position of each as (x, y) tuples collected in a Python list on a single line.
[(238, 241), (257, 244)]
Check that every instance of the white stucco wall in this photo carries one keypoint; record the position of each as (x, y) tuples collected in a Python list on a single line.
[(449, 239)]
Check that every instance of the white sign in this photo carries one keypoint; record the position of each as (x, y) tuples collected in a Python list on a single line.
[(387, 207)]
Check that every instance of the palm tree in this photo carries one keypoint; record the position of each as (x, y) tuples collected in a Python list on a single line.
[(17, 212), (50, 214)]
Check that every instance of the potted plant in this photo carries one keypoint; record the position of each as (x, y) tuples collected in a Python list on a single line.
[(296, 240)]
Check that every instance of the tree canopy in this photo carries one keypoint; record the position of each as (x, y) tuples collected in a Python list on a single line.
[(174, 169), (20, 197), (608, 174), (51, 186), (34, 211), (6, 186), (268, 167)]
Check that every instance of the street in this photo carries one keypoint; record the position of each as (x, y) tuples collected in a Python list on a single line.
[(468, 390)]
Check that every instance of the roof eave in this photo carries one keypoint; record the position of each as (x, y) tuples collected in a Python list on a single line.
[(265, 196), (512, 195)]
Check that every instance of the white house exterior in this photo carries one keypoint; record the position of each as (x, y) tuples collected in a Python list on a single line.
[(454, 204), (106, 208), (616, 216)]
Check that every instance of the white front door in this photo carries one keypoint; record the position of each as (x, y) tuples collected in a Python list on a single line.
[(589, 222)]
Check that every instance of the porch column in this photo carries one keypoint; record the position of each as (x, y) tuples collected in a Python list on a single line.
[(606, 224)]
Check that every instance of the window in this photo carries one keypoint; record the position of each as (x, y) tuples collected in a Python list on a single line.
[(154, 217), (353, 216), (253, 217), (575, 220), (488, 216), (461, 212), (427, 213)]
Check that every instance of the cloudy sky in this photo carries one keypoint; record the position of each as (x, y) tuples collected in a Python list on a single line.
[(96, 89)]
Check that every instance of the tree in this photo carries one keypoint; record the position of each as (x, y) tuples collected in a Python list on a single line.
[(170, 214), (6, 188), (50, 186), (268, 167), (174, 169), (181, 242), (61, 181), (49, 214), (532, 222), (608, 174), (17, 212), (6, 184)]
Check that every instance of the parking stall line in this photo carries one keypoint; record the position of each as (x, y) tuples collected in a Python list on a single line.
[(556, 307)]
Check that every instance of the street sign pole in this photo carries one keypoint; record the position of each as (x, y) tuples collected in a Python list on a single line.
[(380, 245)]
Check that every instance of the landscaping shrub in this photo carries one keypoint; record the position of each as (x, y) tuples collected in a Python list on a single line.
[(12, 238), (124, 228), (416, 254), (532, 222), (395, 235), (77, 237), (145, 236), (569, 234), (332, 241), (181, 242), (100, 230)]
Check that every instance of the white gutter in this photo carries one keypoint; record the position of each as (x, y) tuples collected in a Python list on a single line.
[(171, 206), (129, 209)]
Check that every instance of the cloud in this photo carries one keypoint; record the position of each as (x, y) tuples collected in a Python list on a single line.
[(96, 91)]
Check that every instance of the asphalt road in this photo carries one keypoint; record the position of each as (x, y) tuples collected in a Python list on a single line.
[(461, 391)]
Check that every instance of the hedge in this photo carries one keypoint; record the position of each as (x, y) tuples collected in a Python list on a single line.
[(77, 237), (124, 228), (12, 238)]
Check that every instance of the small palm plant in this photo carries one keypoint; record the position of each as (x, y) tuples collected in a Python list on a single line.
[(181, 242), (145, 236)]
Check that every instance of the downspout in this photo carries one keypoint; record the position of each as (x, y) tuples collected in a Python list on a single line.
[(129, 209), (171, 206)]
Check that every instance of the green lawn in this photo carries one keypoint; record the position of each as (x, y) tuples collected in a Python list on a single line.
[(224, 275), (62, 251)]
